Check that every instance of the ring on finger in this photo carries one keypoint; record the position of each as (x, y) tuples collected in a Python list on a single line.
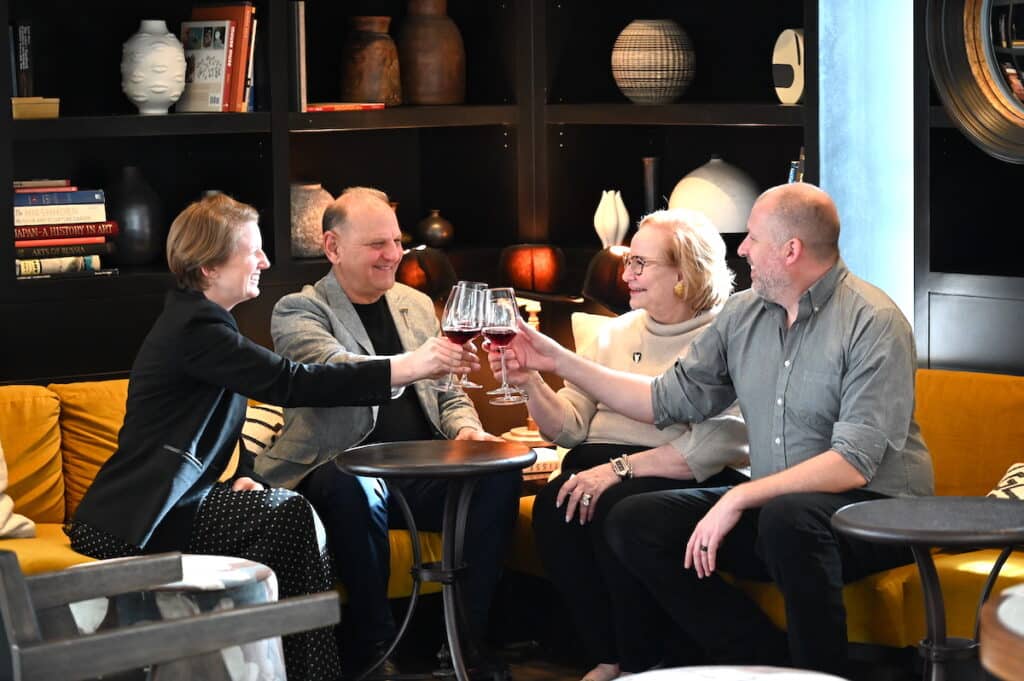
[(585, 499)]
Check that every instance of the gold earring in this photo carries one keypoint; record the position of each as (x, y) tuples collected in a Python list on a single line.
[(679, 289)]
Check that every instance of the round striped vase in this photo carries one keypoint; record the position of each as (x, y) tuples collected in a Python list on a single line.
[(653, 61)]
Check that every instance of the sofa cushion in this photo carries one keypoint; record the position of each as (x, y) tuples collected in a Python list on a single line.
[(950, 405), (1012, 484), (31, 435), (11, 524), (91, 413), (49, 550)]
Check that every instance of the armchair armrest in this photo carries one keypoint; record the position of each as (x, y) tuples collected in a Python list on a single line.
[(109, 578), (133, 647)]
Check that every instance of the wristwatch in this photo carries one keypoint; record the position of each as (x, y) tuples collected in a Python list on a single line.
[(621, 466)]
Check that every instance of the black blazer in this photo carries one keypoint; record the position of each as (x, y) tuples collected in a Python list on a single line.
[(186, 405)]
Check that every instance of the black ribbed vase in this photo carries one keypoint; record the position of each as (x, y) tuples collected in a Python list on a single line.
[(136, 208)]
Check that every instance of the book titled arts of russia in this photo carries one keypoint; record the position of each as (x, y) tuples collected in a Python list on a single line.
[(209, 49)]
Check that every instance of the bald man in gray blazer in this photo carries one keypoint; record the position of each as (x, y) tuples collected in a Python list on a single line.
[(356, 313)]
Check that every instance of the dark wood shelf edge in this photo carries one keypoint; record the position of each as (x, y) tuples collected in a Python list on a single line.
[(86, 127), (698, 113), (938, 118), (404, 117)]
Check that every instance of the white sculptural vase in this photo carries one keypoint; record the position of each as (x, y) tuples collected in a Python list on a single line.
[(153, 68), (723, 192), (611, 220)]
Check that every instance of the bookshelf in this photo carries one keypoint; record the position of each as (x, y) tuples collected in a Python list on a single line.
[(542, 132)]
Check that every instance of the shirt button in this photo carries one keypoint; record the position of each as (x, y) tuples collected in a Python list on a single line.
[(816, 309), (778, 401), (786, 363), (778, 440)]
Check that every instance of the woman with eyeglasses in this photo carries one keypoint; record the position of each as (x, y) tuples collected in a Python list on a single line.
[(678, 281)]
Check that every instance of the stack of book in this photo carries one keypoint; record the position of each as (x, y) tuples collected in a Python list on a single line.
[(220, 43), (60, 230)]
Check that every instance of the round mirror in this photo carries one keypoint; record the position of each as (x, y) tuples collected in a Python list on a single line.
[(974, 48)]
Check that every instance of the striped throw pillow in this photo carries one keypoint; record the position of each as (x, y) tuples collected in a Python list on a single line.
[(1012, 484), (262, 424)]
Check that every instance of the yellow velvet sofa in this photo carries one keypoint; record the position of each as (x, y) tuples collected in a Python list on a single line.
[(973, 424), (55, 439)]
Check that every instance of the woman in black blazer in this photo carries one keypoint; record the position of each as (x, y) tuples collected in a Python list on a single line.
[(186, 405)]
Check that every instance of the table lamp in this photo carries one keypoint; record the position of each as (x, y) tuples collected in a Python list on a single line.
[(427, 270)]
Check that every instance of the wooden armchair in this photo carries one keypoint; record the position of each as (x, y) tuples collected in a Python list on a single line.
[(39, 639)]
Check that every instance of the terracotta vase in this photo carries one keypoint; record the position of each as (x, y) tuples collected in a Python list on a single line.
[(369, 63), (432, 55)]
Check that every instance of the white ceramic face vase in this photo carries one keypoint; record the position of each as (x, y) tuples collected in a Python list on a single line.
[(153, 68)]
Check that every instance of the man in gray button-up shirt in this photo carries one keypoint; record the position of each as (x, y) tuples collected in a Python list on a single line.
[(822, 364)]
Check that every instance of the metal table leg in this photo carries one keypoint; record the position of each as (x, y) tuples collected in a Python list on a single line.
[(938, 649), (453, 534)]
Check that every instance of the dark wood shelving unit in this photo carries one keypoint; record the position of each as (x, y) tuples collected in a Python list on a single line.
[(403, 117), (87, 127), (542, 131), (716, 114)]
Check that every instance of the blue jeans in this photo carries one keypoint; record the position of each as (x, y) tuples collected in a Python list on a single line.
[(357, 513)]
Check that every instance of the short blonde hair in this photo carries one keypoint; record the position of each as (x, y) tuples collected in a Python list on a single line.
[(697, 251), (205, 234)]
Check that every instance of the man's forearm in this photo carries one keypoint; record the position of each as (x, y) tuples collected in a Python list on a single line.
[(626, 393), (826, 472)]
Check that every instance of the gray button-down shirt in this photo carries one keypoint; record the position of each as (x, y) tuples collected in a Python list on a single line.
[(841, 378)]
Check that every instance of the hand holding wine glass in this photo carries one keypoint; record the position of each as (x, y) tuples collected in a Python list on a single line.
[(461, 321), (500, 326)]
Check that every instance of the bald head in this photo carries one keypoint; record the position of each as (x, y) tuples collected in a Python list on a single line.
[(802, 211), (354, 200)]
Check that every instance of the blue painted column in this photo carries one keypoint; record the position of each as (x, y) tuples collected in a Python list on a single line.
[(865, 65)]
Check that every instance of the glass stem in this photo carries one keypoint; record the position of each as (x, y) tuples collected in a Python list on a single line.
[(504, 378)]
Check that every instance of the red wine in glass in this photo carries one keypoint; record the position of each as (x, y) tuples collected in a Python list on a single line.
[(499, 335), (461, 336)]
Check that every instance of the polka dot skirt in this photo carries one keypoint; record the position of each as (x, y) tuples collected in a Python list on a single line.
[(276, 527)]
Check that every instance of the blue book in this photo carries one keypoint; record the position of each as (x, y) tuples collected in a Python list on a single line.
[(55, 198)]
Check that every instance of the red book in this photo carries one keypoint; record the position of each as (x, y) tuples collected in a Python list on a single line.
[(43, 190), (68, 241), (344, 106), (242, 14), (87, 229)]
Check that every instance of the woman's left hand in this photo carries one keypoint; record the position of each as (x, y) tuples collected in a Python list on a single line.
[(582, 491), (246, 485)]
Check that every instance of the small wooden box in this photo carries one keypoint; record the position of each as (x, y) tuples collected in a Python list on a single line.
[(35, 107)]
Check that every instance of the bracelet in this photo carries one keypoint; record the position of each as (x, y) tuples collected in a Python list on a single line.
[(621, 466)]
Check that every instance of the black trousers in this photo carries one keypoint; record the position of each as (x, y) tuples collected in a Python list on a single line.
[(616, 618), (358, 511), (789, 541)]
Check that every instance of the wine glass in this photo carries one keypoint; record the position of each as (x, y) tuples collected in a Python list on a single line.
[(463, 381), (500, 327), (461, 321)]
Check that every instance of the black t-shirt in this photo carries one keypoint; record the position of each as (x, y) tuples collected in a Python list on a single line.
[(400, 419)]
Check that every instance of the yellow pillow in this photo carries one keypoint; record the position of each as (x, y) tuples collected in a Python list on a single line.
[(11, 524), (586, 326), (28, 422), (91, 414)]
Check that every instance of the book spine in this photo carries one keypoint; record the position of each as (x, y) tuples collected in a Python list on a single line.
[(229, 72), (68, 241), (23, 184), (106, 272), (37, 190), (13, 56), (297, 54), (250, 67), (105, 248), (66, 231), (58, 197), (71, 213), (23, 31), (77, 263)]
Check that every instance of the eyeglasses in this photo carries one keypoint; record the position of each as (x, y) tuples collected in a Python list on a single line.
[(637, 263)]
